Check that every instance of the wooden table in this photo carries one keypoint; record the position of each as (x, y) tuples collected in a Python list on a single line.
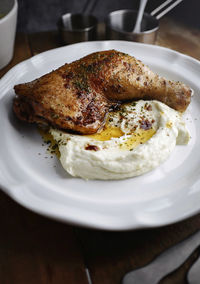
[(34, 249)]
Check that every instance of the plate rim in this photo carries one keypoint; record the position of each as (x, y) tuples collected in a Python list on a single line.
[(34, 57)]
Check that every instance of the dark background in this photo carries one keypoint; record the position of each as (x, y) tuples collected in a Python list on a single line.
[(42, 15)]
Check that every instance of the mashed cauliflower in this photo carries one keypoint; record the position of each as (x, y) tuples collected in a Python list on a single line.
[(135, 139)]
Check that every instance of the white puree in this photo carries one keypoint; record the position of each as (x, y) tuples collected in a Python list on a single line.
[(136, 139)]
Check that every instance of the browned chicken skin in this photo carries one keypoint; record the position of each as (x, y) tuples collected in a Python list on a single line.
[(77, 96)]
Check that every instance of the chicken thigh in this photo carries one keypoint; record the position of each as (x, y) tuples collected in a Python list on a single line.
[(78, 96)]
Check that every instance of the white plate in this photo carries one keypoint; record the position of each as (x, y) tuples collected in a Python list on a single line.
[(166, 195)]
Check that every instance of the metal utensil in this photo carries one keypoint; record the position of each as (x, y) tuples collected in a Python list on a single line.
[(77, 27), (120, 24), (137, 28), (193, 275), (169, 8), (165, 263)]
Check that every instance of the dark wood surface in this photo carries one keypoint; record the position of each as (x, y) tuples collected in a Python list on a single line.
[(35, 249)]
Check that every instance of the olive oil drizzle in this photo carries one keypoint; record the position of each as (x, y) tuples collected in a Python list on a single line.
[(50, 141)]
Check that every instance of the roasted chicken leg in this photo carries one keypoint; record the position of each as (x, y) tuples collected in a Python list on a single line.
[(77, 96)]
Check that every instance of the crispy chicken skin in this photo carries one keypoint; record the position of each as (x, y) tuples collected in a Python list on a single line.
[(77, 96)]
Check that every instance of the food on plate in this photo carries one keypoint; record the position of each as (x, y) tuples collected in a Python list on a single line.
[(109, 114), (78, 96), (135, 139)]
